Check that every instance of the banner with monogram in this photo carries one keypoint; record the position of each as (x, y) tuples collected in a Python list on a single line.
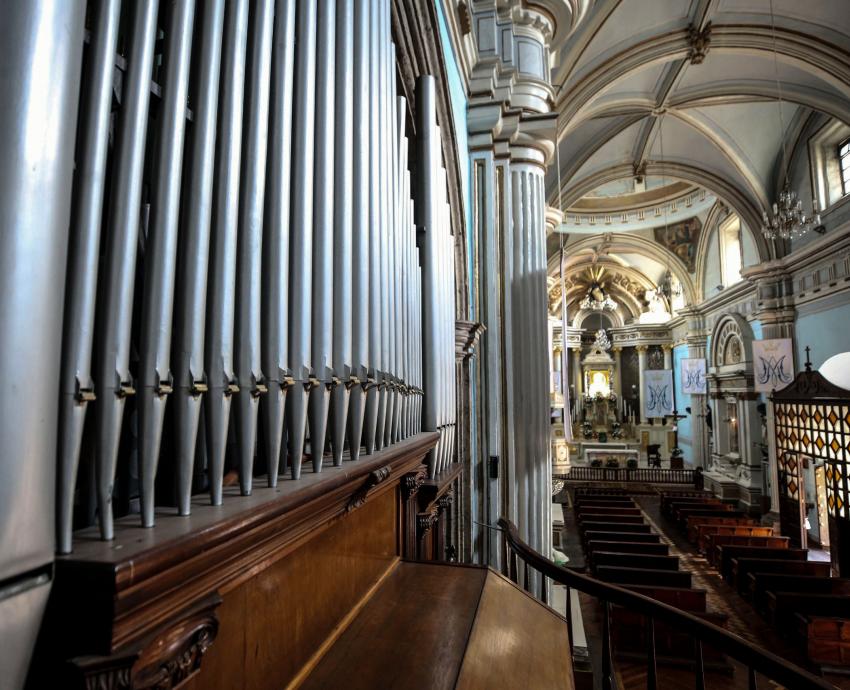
[(658, 392), (693, 376), (773, 364)]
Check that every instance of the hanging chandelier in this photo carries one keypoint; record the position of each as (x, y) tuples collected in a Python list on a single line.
[(788, 220)]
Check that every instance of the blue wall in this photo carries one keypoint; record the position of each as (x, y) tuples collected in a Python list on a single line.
[(826, 332), (680, 352)]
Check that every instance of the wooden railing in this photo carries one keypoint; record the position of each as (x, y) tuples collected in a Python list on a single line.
[(522, 562), (648, 475)]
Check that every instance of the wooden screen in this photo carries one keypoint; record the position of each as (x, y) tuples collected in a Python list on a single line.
[(812, 423)]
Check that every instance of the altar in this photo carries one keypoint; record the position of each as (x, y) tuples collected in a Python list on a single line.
[(621, 455)]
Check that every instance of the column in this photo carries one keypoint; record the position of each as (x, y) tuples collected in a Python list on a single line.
[(577, 372), (696, 339), (641, 350), (668, 356), (41, 54), (618, 374)]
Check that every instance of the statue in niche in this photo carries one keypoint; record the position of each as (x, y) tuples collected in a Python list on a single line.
[(657, 311), (602, 341), (733, 354)]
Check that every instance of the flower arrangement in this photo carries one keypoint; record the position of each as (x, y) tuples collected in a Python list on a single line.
[(632, 463), (612, 463)]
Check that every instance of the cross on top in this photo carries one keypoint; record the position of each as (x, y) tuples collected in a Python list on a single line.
[(808, 361)]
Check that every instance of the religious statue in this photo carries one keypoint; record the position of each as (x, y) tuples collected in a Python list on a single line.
[(657, 312), (602, 341)]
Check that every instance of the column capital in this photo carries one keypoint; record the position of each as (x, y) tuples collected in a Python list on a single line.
[(641, 348)]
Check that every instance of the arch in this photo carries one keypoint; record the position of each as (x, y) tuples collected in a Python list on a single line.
[(732, 329), (615, 318), (748, 210), (715, 216)]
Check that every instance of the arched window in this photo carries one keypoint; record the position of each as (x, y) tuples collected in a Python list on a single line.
[(731, 258)]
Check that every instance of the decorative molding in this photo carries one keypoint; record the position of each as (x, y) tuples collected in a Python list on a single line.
[(425, 521), (467, 335), (375, 477), (411, 483), (699, 41)]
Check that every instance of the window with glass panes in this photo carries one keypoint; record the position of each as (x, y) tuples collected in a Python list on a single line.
[(844, 163)]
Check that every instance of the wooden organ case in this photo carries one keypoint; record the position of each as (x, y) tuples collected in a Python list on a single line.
[(811, 419), (239, 577)]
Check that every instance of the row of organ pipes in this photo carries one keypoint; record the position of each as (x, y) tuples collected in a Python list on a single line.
[(244, 238)]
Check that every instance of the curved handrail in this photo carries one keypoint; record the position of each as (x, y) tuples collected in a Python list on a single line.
[(748, 654)]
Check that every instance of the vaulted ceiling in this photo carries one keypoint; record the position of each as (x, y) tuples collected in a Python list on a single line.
[(686, 90)]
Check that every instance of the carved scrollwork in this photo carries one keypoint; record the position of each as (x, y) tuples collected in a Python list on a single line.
[(425, 521), (411, 482), (375, 477)]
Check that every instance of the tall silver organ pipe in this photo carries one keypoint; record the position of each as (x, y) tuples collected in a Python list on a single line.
[(221, 293), (285, 267), (41, 56), (253, 188), (360, 289), (81, 283), (275, 336), (370, 430), (343, 226), (323, 234), (116, 311), (438, 374), (190, 310), (301, 241), (160, 261)]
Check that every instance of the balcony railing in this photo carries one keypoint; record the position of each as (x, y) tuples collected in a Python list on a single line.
[(525, 566)]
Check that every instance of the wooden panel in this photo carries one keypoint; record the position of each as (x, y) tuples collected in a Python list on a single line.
[(411, 634), (516, 642), (273, 623)]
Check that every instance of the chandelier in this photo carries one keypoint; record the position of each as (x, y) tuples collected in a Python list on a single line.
[(788, 220)]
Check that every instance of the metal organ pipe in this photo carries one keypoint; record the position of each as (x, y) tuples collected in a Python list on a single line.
[(160, 261), (275, 303), (287, 258), (343, 225), (190, 317), (301, 228), (81, 281), (115, 314), (221, 292), (323, 234), (437, 262), (250, 243), (360, 284)]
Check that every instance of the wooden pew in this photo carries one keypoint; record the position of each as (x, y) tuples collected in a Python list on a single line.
[(629, 631), (706, 512), (668, 496), (591, 491), (744, 568), (716, 541), (636, 537), (826, 638), (681, 513), (668, 507), (591, 501), (687, 599), (781, 607), (643, 576), (705, 531), (759, 584), (694, 523), (634, 560), (598, 517), (607, 510), (628, 527), (731, 552), (653, 548)]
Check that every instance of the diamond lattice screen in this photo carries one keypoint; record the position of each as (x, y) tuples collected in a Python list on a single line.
[(818, 430)]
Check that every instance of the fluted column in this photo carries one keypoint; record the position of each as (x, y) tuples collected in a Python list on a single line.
[(641, 350), (618, 373), (577, 371), (668, 356)]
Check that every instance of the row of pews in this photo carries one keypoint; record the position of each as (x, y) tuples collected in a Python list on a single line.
[(622, 548), (798, 597)]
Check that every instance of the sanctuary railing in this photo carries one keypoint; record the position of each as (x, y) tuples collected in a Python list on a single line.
[(648, 475)]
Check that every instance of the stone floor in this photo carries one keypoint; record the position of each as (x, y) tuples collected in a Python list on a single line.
[(742, 617)]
